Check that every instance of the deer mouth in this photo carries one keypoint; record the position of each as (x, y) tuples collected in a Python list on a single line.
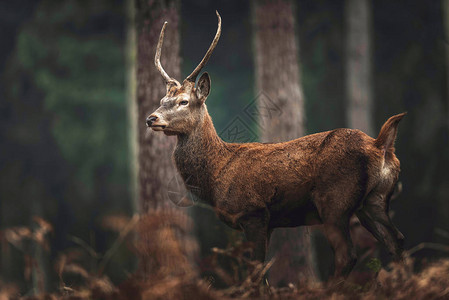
[(157, 127)]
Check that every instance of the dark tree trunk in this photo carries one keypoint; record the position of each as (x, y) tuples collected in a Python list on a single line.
[(445, 8), (443, 204), (281, 118)]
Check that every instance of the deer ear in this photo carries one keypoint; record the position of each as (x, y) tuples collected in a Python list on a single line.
[(203, 87)]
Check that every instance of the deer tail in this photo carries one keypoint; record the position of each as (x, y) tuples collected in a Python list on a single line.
[(387, 135)]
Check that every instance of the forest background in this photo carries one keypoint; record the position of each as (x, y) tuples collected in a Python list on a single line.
[(65, 136)]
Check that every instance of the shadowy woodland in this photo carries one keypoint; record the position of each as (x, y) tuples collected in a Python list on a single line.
[(91, 206)]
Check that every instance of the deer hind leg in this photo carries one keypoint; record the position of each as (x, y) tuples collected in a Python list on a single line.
[(374, 217), (338, 236), (335, 207)]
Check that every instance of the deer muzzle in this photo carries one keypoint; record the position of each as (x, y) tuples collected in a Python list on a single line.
[(155, 123)]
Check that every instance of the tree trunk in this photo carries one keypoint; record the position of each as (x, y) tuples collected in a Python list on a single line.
[(156, 167), (443, 206), (359, 99), (164, 243), (281, 118), (131, 85), (358, 65)]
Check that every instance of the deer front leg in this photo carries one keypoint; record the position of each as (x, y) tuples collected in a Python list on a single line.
[(255, 227)]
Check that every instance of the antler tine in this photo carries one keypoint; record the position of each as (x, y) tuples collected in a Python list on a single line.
[(194, 74), (157, 57)]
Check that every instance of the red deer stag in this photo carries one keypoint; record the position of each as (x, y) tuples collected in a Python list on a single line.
[(323, 178)]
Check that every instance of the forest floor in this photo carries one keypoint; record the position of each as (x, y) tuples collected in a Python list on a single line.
[(397, 283), (170, 274)]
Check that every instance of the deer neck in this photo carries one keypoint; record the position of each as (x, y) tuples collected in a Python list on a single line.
[(197, 156)]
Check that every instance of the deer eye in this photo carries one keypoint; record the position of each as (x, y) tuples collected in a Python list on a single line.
[(184, 102)]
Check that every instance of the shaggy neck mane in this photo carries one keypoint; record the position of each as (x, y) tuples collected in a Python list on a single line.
[(194, 157)]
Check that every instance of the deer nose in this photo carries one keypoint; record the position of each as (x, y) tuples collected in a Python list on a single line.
[(151, 120)]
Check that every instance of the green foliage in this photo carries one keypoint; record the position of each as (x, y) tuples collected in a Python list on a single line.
[(78, 64), (64, 124), (374, 264)]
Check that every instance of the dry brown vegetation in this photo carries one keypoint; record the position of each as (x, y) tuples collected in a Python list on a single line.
[(167, 272)]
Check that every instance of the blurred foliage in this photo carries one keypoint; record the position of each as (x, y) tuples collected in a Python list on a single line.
[(173, 276), (79, 68), (64, 123)]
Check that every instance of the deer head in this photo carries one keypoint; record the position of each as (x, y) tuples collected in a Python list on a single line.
[(182, 108)]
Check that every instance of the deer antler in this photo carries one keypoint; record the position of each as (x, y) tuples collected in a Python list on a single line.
[(157, 58), (194, 74)]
